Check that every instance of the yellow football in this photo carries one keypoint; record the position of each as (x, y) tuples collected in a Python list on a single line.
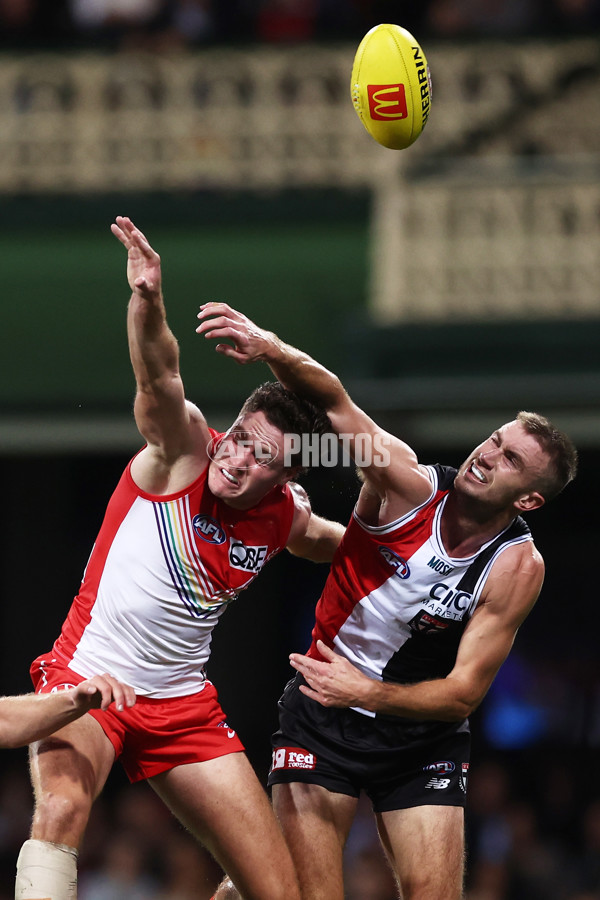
[(391, 86)]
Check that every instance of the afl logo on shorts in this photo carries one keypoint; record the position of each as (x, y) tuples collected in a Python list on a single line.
[(399, 564), (208, 529), (443, 767)]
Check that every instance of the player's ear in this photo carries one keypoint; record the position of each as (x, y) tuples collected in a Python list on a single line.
[(530, 501)]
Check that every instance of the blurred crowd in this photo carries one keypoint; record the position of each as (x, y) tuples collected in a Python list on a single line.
[(533, 833), (173, 24)]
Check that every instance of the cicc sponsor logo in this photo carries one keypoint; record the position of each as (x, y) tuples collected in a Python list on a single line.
[(208, 529), (449, 598), (293, 758), (443, 767), (399, 564), (387, 101)]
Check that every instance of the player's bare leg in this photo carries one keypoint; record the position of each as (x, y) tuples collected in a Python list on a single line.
[(316, 823), (226, 891), (408, 836), (223, 804), (68, 771)]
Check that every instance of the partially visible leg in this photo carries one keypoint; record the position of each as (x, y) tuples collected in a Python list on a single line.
[(226, 891), (316, 823), (222, 803), (68, 771), (426, 848)]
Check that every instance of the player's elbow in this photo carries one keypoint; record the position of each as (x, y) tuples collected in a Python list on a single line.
[(9, 739), (464, 700)]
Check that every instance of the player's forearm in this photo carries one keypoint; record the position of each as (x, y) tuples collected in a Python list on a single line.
[(31, 717), (300, 373), (153, 348), (435, 700)]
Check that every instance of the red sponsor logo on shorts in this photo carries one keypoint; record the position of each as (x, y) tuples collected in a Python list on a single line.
[(293, 758), (387, 101)]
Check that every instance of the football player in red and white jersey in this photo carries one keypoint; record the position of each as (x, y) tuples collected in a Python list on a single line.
[(193, 520), (436, 572)]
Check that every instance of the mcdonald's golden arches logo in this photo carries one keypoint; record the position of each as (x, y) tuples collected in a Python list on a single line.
[(387, 101)]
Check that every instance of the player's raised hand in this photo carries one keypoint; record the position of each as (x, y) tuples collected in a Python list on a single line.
[(249, 342), (100, 691), (143, 263)]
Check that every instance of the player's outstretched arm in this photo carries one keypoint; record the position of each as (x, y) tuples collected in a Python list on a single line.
[(164, 418), (30, 717), (488, 638), (387, 462)]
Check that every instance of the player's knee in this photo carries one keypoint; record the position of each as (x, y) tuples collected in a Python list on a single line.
[(56, 813)]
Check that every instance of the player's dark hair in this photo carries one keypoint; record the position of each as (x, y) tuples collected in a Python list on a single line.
[(559, 447), (288, 411)]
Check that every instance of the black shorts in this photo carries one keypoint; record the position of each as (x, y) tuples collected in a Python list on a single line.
[(399, 763)]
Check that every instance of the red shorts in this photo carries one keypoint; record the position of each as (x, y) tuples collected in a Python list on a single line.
[(154, 735)]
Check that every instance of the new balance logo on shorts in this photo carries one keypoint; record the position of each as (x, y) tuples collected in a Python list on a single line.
[(292, 758), (438, 784)]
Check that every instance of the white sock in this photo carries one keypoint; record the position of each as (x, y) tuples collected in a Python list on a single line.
[(46, 871)]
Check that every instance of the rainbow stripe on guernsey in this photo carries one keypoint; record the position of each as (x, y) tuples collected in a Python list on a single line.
[(189, 576)]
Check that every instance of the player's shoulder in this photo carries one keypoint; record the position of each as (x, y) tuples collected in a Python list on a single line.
[(196, 416), (441, 477), (300, 500), (521, 560)]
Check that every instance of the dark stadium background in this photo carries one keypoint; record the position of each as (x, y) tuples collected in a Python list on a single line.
[(297, 262)]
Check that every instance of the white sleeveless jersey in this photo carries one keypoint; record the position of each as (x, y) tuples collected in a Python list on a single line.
[(161, 573), (395, 604)]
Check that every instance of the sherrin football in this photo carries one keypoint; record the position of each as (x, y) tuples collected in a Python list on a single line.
[(391, 86)]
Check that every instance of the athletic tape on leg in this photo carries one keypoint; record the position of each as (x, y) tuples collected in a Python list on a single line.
[(46, 871)]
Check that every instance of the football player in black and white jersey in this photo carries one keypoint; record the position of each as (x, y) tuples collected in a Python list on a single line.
[(436, 572)]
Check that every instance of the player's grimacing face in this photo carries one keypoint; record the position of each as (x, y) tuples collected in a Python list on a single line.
[(247, 462), (504, 467)]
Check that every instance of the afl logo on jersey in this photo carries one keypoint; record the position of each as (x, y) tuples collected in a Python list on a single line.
[(399, 564), (208, 529)]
